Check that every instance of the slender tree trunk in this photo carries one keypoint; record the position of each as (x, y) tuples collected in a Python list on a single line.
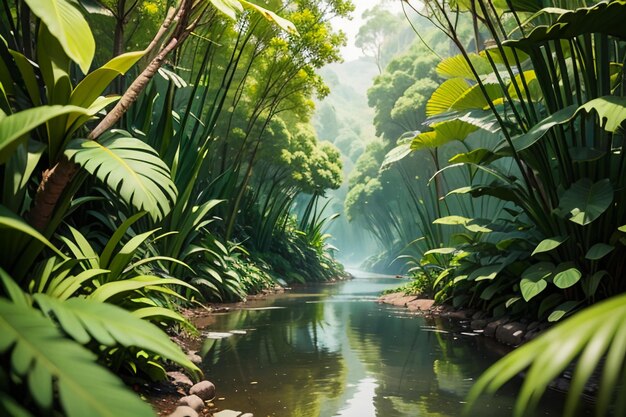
[(55, 180)]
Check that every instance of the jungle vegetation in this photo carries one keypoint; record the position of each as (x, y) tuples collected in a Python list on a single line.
[(152, 155), (504, 124)]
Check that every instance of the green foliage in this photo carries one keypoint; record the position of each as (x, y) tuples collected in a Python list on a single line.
[(128, 166), (40, 354)]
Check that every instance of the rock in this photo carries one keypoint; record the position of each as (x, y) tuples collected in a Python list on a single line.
[(227, 413), (511, 333), (479, 324), (533, 325), (402, 301), (460, 314), (180, 379), (192, 401), (247, 415), (194, 357), (490, 329), (203, 389), (184, 411), (422, 304), (479, 315)]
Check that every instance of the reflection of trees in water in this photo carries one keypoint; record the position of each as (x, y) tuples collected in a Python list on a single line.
[(287, 354), (419, 373)]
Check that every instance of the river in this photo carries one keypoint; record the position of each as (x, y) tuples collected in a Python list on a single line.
[(331, 351)]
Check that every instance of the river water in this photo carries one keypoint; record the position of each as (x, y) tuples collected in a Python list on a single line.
[(331, 351)]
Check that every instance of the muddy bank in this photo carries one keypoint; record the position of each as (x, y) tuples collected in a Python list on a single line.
[(504, 330)]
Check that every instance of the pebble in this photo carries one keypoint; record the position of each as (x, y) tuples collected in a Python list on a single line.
[(178, 378), (184, 411), (192, 401), (203, 389)]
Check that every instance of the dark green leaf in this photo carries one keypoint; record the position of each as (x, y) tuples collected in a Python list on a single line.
[(586, 201)]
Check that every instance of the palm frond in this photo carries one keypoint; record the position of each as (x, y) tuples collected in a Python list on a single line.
[(129, 167)]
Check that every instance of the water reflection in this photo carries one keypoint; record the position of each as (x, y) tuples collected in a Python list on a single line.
[(334, 352)]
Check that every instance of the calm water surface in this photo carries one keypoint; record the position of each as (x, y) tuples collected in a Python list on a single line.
[(331, 351)]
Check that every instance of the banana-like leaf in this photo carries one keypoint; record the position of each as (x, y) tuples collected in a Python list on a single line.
[(66, 23), (272, 17), (15, 126), (129, 167), (88, 90), (229, 7), (86, 319), (594, 335), (42, 355)]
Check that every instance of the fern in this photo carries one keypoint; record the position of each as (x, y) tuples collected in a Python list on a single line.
[(48, 362)]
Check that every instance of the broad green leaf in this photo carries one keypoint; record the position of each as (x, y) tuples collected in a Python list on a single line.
[(529, 138), (622, 228), (456, 66), (599, 251), (445, 95), (396, 154), (15, 126), (530, 77), (586, 201), (41, 353), (534, 279), (474, 98), (476, 156), (605, 18), (69, 27), (129, 167), (490, 291), (272, 17), (443, 133), (473, 225), (566, 275), (562, 310), (590, 284), (610, 109), (485, 273), (440, 251), (549, 244), (228, 7), (94, 84)]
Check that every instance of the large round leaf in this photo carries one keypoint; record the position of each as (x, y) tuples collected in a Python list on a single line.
[(586, 201), (534, 279)]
